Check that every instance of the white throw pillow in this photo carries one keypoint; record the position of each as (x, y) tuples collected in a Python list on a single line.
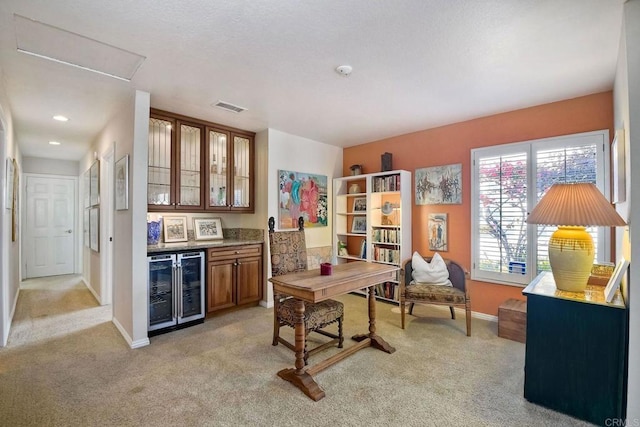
[(433, 273)]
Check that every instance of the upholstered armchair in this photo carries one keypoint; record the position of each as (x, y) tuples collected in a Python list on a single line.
[(424, 293), (288, 252)]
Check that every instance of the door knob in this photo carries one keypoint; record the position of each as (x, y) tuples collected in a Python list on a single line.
[(69, 231)]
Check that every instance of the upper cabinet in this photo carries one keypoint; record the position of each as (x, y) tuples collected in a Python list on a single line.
[(198, 166)]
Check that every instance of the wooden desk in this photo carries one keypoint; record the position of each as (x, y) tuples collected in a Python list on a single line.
[(310, 286)]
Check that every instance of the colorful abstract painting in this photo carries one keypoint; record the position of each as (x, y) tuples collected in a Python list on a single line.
[(439, 185), (302, 194)]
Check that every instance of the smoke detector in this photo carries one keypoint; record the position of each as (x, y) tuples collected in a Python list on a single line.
[(344, 70)]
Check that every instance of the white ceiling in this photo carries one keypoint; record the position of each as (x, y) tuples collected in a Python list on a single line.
[(417, 64)]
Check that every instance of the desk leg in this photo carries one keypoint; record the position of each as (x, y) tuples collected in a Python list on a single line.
[(298, 376), (376, 340)]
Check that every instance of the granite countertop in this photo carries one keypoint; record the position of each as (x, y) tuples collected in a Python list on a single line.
[(198, 244)]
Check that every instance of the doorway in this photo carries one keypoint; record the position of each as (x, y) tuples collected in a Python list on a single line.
[(50, 225)]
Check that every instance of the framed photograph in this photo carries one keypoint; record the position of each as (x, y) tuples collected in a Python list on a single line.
[(175, 229), (86, 188), (122, 183), (360, 204), (359, 225), (9, 184), (85, 228), (439, 185), (207, 228), (438, 232), (618, 173), (94, 229), (614, 281), (94, 184)]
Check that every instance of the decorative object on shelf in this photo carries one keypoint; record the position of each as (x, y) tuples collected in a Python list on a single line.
[(175, 229), (356, 169), (342, 248), (153, 231), (354, 188), (387, 210), (363, 249), (326, 269), (385, 161), (94, 184), (207, 228), (614, 281), (360, 204), (122, 183), (618, 173), (438, 232), (572, 207), (359, 225), (439, 185), (302, 195)]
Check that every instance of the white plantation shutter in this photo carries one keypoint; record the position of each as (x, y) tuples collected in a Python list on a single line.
[(507, 181)]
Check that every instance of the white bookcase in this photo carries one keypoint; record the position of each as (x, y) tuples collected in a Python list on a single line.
[(373, 222)]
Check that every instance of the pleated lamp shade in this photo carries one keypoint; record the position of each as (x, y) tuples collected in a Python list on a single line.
[(571, 251)]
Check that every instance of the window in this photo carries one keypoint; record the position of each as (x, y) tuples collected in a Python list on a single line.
[(508, 180)]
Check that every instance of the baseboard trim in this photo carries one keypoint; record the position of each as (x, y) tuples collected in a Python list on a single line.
[(133, 344), (266, 304), (484, 316), (95, 295)]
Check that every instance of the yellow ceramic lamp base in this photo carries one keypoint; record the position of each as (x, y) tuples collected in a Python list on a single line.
[(571, 253)]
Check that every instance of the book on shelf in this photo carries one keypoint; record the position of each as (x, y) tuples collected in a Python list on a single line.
[(386, 183), (363, 249)]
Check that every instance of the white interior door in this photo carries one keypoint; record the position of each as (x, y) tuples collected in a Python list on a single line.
[(49, 232)]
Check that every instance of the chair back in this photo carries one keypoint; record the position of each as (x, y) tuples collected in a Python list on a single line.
[(288, 249), (456, 273)]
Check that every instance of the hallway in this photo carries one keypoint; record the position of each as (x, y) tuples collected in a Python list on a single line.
[(52, 307)]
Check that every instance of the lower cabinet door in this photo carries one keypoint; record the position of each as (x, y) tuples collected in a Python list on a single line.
[(249, 280), (220, 293)]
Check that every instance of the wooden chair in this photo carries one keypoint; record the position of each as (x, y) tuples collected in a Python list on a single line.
[(289, 254), (456, 296)]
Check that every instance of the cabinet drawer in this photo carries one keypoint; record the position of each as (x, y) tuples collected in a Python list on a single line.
[(234, 252)]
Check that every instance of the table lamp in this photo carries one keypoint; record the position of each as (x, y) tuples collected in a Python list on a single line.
[(573, 207)]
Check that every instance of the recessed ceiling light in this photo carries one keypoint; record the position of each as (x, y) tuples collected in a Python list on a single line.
[(344, 70), (60, 118), (54, 143)]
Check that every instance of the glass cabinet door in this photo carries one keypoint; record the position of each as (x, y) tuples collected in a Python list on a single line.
[(189, 174), (218, 163), (192, 286), (159, 164), (161, 291), (241, 171)]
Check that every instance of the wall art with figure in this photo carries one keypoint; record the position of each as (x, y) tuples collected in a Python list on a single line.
[(302, 194), (439, 185), (438, 232)]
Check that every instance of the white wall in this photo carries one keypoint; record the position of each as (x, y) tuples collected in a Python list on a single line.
[(50, 166), (627, 116), (9, 250), (294, 153)]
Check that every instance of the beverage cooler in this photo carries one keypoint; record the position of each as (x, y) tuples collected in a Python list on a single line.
[(176, 291)]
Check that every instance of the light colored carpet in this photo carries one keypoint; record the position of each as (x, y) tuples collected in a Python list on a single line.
[(67, 365)]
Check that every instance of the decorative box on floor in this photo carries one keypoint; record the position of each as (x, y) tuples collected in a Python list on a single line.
[(512, 320)]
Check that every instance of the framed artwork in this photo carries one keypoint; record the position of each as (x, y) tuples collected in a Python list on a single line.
[(302, 195), (15, 202), (122, 183), (175, 228), (359, 225), (94, 184), (86, 188), (94, 229), (615, 279), (207, 228), (8, 203), (617, 159), (85, 228), (360, 204), (438, 236), (439, 185)]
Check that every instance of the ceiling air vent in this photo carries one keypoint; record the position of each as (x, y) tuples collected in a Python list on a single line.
[(229, 107)]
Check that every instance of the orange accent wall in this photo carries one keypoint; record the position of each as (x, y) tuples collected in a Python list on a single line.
[(453, 143)]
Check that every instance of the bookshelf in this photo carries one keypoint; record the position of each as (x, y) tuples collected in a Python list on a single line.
[(374, 223)]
